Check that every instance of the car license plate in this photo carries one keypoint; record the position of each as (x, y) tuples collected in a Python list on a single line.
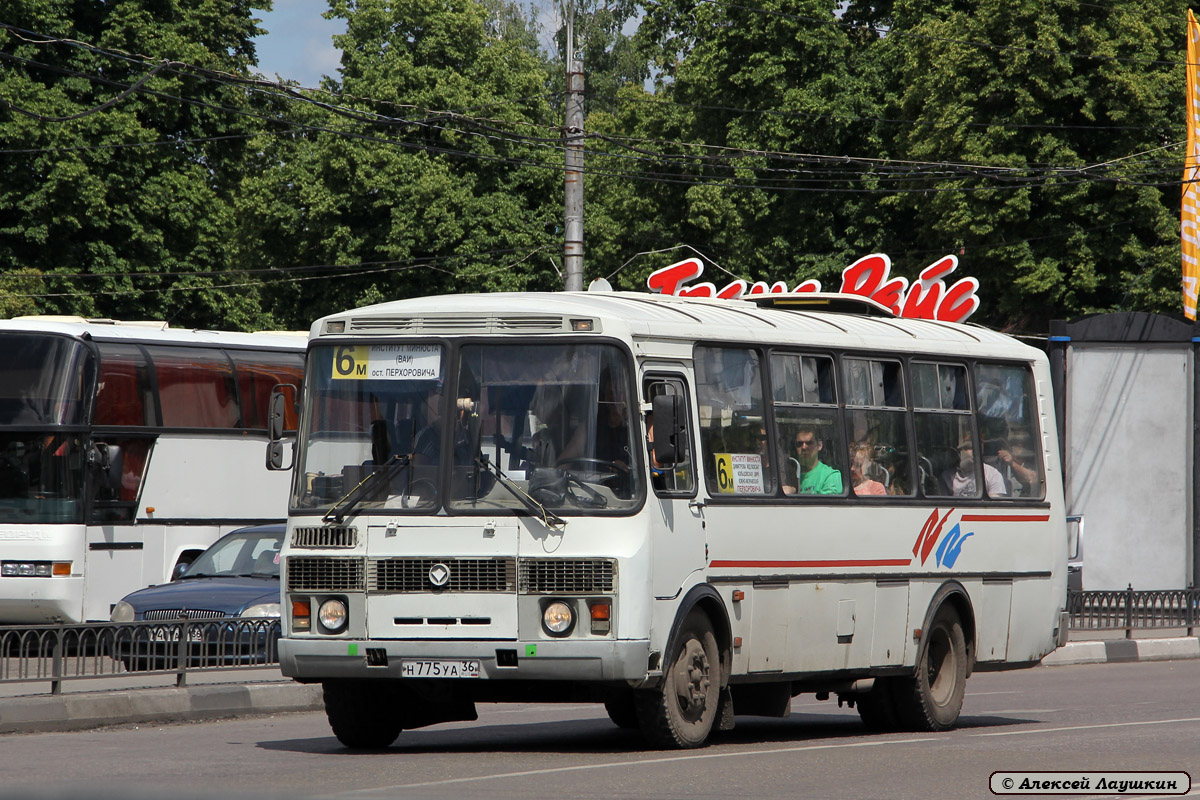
[(438, 668), (172, 634)]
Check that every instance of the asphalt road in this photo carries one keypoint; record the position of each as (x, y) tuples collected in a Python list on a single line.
[(1104, 717)]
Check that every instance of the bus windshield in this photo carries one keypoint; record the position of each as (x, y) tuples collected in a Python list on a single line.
[(47, 379), (551, 424), (41, 477)]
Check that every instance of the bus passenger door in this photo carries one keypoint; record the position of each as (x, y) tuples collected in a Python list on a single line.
[(676, 520)]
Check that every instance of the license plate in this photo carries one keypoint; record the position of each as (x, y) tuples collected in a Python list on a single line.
[(172, 635), (437, 668)]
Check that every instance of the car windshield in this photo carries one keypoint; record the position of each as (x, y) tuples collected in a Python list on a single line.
[(247, 553), (544, 422)]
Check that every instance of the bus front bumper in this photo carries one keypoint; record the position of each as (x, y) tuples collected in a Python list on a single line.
[(321, 659), (41, 601)]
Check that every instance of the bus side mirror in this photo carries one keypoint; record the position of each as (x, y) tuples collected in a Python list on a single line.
[(277, 415), (107, 463), (669, 436)]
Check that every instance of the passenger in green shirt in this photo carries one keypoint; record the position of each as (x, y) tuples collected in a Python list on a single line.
[(816, 477)]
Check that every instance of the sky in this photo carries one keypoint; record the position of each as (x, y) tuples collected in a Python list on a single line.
[(299, 47)]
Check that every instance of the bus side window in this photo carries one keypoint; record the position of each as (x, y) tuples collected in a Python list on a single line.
[(258, 372), (877, 427), (812, 457), (732, 412), (1008, 427), (123, 390), (945, 453), (196, 387), (679, 477)]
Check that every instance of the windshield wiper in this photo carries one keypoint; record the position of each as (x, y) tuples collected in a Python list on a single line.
[(384, 474), (548, 517)]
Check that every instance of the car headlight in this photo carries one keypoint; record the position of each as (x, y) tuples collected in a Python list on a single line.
[(557, 618), (262, 610), (122, 612), (332, 615)]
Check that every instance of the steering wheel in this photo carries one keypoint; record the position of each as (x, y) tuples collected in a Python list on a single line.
[(611, 474), (590, 497)]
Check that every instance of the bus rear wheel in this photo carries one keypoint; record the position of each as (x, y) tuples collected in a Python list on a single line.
[(931, 699), (679, 714), (362, 714)]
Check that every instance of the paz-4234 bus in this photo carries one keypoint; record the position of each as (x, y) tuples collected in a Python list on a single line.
[(685, 509)]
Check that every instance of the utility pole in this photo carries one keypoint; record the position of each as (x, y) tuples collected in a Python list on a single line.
[(573, 211)]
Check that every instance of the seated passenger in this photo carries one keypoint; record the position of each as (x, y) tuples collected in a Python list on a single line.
[(860, 467), (1019, 466), (813, 476), (960, 481)]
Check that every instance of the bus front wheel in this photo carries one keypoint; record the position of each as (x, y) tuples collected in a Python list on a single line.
[(679, 714), (931, 699), (361, 713)]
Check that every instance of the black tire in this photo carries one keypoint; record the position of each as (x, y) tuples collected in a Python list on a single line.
[(362, 714), (877, 708), (931, 699), (679, 714), (622, 710)]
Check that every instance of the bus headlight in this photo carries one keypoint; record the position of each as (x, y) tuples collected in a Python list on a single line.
[(122, 612), (332, 615), (34, 569), (557, 618), (262, 610)]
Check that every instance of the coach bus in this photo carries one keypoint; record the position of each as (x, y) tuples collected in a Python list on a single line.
[(685, 509), (126, 448)]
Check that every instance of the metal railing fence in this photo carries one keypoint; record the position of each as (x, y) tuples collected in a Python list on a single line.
[(61, 653), (1129, 609)]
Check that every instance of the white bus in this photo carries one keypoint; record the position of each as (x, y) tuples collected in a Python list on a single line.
[(125, 450), (836, 501)]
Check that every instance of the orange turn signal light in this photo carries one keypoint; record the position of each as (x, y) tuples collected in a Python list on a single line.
[(301, 615)]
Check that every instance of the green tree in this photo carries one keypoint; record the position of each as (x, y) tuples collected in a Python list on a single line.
[(123, 199), (436, 172), (1066, 112), (735, 86)]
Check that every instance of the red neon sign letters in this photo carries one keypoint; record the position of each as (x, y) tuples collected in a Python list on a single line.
[(928, 297)]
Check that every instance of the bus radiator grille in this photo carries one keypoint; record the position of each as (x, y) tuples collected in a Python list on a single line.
[(398, 575), (567, 576), (316, 538), (325, 574)]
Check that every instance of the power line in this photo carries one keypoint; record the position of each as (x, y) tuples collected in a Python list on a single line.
[(875, 172)]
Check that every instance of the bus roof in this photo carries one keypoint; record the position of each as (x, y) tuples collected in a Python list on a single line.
[(152, 332), (813, 320)]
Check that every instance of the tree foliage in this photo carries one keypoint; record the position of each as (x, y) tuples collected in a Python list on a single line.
[(126, 211), (420, 179), (782, 139)]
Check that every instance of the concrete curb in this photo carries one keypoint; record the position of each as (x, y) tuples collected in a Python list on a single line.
[(80, 711), (1111, 651)]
